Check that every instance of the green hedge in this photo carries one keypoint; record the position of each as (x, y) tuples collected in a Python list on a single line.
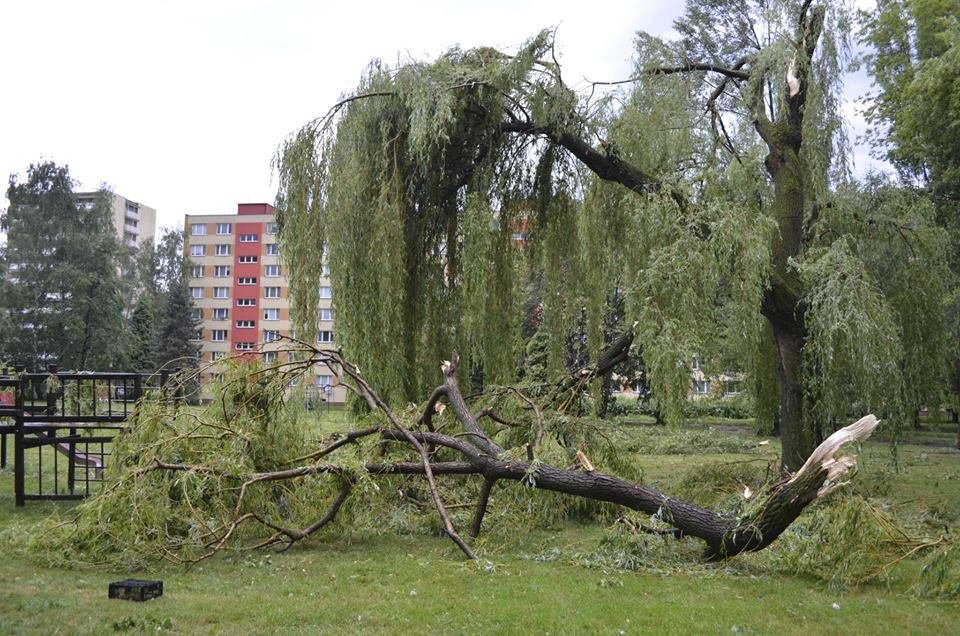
[(738, 408)]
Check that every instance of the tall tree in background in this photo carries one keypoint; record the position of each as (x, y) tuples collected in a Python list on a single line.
[(914, 59), (142, 335), (716, 195), (162, 327), (61, 297), (176, 325)]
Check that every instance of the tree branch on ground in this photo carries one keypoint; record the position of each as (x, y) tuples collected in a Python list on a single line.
[(475, 453)]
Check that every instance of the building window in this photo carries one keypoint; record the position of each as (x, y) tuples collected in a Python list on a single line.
[(270, 335), (247, 280), (732, 387), (271, 292), (223, 249), (326, 313), (325, 336), (701, 387), (220, 313), (325, 270), (248, 259), (271, 228), (197, 335), (196, 314), (197, 250), (218, 335), (196, 292), (271, 314), (216, 355), (245, 324), (224, 228), (221, 271), (270, 356), (272, 249), (324, 380), (244, 346), (246, 302), (272, 271), (326, 291), (198, 229), (248, 238), (196, 271), (221, 292)]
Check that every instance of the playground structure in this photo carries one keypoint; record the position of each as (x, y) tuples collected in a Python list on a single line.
[(63, 426)]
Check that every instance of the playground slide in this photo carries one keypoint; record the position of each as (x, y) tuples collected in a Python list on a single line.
[(90, 460)]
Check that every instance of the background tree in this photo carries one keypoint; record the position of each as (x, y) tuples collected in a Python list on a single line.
[(176, 322), (914, 60), (712, 192), (61, 297), (142, 336)]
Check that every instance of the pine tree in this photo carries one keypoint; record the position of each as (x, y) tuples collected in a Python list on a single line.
[(142, 352), (176, 326)]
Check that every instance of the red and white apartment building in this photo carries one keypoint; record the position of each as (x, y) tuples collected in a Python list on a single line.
[(240, 291)]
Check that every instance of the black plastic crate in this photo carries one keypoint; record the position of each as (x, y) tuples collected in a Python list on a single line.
[(135, 590)]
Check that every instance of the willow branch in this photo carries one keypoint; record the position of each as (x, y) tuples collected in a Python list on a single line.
[(481, 507), (606, 165), (732, 73)]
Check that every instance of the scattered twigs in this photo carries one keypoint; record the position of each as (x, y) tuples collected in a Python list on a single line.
[(636, 528)]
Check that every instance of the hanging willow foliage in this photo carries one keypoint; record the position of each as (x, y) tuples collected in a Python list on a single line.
[(715, 199), (419, 195), (414, 190)]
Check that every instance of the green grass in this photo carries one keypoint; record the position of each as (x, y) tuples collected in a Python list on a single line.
[(540, 582), (407, 585)]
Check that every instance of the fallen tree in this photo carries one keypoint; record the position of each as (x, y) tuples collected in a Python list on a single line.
[(230, 505)]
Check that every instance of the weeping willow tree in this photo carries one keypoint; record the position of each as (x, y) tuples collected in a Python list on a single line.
[(713, 196)]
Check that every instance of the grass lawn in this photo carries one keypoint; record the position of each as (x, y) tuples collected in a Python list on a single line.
[(536, 583)]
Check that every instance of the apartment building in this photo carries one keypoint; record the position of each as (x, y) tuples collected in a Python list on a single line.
[(240, 291), (134, 222)]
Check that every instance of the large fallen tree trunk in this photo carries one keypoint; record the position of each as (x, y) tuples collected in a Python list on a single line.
[(480, 455)]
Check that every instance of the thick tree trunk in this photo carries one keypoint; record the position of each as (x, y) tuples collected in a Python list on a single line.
[(724, 536), (796, 441), (782, 304)]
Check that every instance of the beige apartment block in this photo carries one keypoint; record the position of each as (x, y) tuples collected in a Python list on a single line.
[(134, 222), (238, 282)]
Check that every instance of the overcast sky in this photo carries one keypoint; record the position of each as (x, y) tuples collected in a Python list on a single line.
[(181, 105)]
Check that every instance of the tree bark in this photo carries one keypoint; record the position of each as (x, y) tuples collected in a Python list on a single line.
[(782, 304), (796, 441)]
